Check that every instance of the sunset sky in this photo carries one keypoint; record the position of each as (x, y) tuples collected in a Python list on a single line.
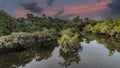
[(61, 8)]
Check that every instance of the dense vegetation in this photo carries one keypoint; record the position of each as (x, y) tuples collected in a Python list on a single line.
[(66, 31), (33, 23), (69, 40), (109, 27), (18, 41)]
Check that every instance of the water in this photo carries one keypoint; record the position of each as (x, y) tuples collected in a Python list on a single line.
[(95, 52)]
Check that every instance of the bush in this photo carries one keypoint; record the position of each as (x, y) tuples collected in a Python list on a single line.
[(68, 38)]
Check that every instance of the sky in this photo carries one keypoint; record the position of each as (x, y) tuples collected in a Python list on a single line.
[(95, 9)]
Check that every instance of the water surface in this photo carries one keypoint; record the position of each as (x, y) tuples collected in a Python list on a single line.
[(95, 52)]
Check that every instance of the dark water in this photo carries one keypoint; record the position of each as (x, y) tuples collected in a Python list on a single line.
[(95, 52)]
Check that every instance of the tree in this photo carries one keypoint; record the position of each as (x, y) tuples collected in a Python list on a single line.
[(7, 24)]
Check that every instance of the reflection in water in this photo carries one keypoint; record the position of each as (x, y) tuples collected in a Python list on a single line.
[(72, 49), (14, 60), (110, 43), (69, 58), (92, 56), (70, 52)]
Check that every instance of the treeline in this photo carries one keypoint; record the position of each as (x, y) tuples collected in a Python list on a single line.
[(33, 23)]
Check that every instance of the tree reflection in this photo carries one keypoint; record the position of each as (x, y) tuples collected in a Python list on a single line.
[(70, 47), (71, 55), (17, 59), (110, 43)]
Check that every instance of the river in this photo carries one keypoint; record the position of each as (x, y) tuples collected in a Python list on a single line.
[(94, 52)]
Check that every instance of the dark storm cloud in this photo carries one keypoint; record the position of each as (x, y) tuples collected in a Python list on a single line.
[(32, 7), (50, 2), (58, 14), (114, 7), (98, 1)]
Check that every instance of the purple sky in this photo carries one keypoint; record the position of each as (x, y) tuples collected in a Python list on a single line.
[(58, 8)]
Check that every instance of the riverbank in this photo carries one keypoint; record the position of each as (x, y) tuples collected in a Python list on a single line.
[(18, 41)]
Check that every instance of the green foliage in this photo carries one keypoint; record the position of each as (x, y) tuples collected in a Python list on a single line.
[(110, 27), (76, 23), (88, 28), (34, 28), (33, 23), (7, 24), (20, 39), (69, 41), (67, 32), (68, 38), (74, 40), (96, 28)]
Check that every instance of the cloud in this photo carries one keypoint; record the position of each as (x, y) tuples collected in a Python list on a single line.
[(81, 9), (114, 7), (58, 14), (69, 11), (73, 10), (20, 13), (98, 1), (32, 7), (50, 2), (52, 10)]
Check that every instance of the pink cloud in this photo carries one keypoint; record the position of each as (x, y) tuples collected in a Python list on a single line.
[(51, 10), (86, 8), (20, 13), (79, 9)]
